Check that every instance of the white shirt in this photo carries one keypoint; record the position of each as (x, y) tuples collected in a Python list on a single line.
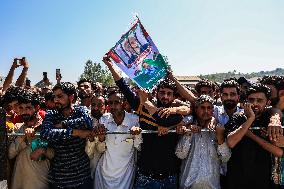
[(116, 167)]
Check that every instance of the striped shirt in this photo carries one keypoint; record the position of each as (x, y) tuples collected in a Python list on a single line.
[(70, 166)]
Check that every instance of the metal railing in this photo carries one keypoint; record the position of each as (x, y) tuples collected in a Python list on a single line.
[(143, 131)]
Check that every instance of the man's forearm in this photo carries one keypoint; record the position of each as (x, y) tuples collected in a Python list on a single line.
[(116, 76), (8, 79), (237, 135), (183, 110), (22, 78), (151, 108), (184, 92), (276, 151)]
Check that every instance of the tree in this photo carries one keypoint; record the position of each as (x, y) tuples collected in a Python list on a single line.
[(96, 73)]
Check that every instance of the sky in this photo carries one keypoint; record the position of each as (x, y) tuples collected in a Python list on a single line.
[(197, 36)]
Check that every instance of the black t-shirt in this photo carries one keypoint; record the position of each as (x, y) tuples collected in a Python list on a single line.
[(157, 155), (250, 165)]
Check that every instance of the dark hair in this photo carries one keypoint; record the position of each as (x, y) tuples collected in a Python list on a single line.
[(230, 84), (204, 98), (28, 96), (204, 83), (169, 84), (259, 88), (280, 83), (49, 96), (270, 80), (93, 86), (242, 80), (99, 96), (67, 87), (231, 78), (115, 92), (11, 94), (111, 88)]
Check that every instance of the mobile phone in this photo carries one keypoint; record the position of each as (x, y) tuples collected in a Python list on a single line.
[(58, 74), (44, 75), (28, 82)]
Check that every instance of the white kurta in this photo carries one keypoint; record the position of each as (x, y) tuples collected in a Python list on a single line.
[(116, 168), (3, 184), (94, 150)]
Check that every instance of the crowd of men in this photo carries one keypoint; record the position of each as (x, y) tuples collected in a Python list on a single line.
[(212, 136)]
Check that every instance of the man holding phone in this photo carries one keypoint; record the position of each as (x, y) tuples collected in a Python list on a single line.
[(21, 79)]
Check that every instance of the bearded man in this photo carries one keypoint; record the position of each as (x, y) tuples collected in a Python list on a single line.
[(66, 130)]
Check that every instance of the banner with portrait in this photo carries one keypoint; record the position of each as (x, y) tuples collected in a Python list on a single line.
[(138, 57)]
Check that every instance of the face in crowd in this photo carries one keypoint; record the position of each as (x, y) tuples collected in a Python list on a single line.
[(14, 106), (230, 98), (205, 87), (27, 111), (126, 106), (230, 94), (10, 100), (99, 89), (64, 95), (98, 106), (85, 89), (271, 82), (166, 93), (115, 102), (62, 100), (204, 108), (259, 102), (274, 95), (28, 106), (49, 101), (165, 96), (207, 91), (258, 95)]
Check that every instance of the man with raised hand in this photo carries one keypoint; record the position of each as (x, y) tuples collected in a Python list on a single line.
[(158, 165)]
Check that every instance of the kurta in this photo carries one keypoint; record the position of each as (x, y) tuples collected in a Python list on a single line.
[(116, 168), (202, 157), (27, 174)]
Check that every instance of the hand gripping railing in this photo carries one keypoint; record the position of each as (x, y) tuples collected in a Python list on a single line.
[(143, 131)]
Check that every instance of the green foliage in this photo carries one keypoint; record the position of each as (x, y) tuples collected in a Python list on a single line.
[(219, 77), (95, 72)]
